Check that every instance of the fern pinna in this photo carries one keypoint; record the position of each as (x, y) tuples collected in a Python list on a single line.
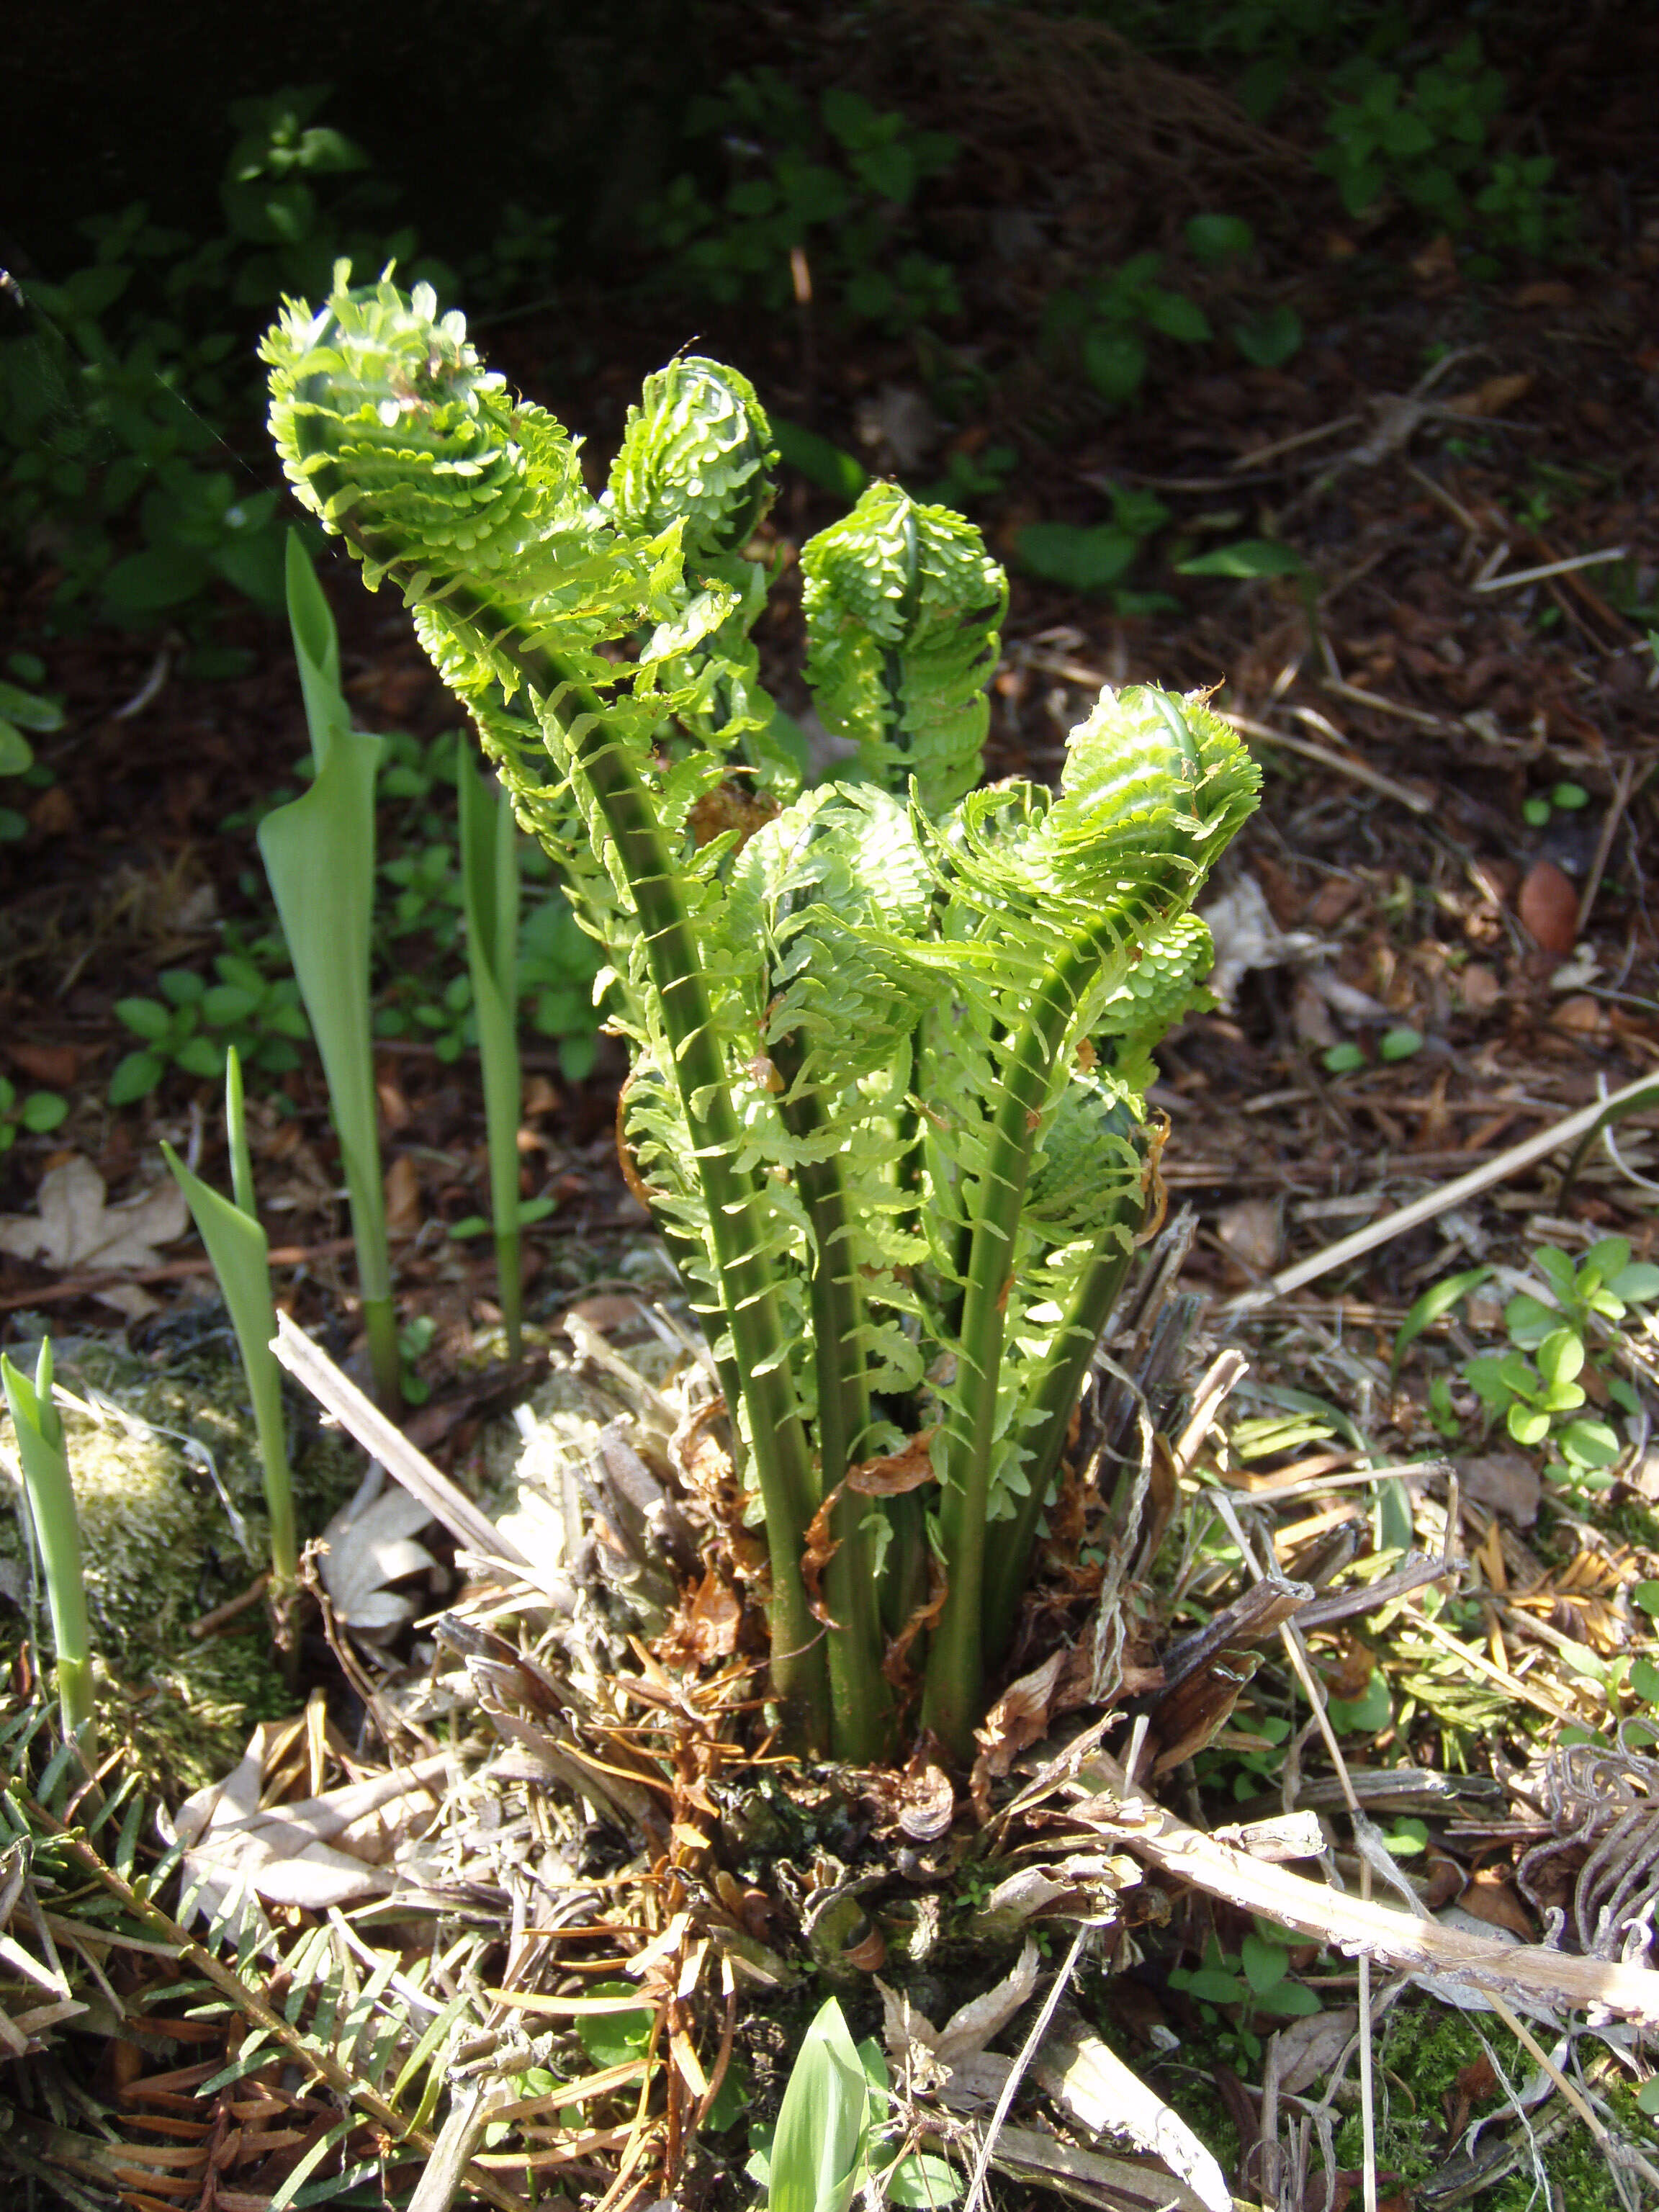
[(888, 1033)]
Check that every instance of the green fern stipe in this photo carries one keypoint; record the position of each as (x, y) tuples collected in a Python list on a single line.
[(888, 1035)]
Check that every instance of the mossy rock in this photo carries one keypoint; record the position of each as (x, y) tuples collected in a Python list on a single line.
[(169, 1494)]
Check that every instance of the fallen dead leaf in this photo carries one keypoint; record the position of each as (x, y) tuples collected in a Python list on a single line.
[(1249, 1230), (898, 1473), (1310, 1016), (1494, 397), (1246, 936), (404, 1210), (712, 1621), (1548, 905), (366, 1547), (1581, 1015), (56, 1064), (75, 1231), (1507, 1481), (1491, 1899), (1545, 292), (1019, 1717), (1479, 987), (1310, 2046)]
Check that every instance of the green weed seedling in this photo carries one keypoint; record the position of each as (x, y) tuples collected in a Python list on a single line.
[(1099, 557), (1534, 1386), (38, 1113), (1426, 140), (1562, 797), (890, 1036), (1106, 324), (558, 966), (1244, 1994), (39, 1428), (1271, 334), (240, 1250), (24, 711), (319, 853), (195, 1025)]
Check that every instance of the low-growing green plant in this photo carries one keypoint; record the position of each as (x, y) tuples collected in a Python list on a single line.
[(38, 1428), (195, 1024), (1535, 1386), (238, 1247), (116, 401), (1106, 324), (1098, 556), (37, 1112), (1562, 797), (890, 1036), (1248, 1988), (558, 966), (1424, 138), (838, 185), (24, 711)]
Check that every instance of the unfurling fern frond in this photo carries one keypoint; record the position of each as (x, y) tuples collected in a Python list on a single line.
[(904, 607)]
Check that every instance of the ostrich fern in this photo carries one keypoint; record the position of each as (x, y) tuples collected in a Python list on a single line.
[(889, 1034)]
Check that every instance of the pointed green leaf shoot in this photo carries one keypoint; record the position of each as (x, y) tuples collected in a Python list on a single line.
[(819, 2151), (489, 886), (39, 1428), (237, 1245), (319, 853)]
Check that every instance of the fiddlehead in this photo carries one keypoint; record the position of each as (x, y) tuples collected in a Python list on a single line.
[(904, 608)]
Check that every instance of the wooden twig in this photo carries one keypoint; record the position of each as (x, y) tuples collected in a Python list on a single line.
[(1531, 1973), (1567, 1131)]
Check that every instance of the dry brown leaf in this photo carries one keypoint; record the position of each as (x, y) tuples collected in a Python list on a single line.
[(925, 1617), (1507, 1481), (1249, 1230), (1491, 1899), (820, 1548), (1479, 987), (75, 1231), (1310, 2046), (712, 1621), (403, 1209), (1019, 1717), (1548, 905), (56, 1064), (926, 1802), (904, 1470), (1494, 397)]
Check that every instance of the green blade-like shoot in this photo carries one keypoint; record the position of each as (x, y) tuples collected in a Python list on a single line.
[(319, 853), (51, 1494), (820, 2148), (489, 886), (238, 1247)]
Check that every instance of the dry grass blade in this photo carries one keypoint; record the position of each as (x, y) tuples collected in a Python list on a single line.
[(339, 1395)]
